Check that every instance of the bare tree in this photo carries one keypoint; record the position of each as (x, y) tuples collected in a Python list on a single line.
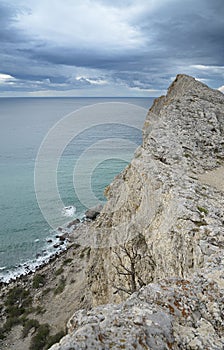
[(129, 258)]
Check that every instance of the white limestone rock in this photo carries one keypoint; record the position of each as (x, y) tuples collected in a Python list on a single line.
[(165, 212)]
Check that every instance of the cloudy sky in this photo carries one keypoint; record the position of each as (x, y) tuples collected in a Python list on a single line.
[(108, 47)]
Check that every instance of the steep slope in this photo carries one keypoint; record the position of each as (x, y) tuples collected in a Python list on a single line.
[(159, 202), (162, 229)]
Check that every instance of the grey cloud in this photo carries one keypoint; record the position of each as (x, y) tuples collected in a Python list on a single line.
[(178, 35), (188, 30), (8, 18)]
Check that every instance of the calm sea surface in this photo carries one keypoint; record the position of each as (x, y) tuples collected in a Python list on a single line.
[(24, 122)]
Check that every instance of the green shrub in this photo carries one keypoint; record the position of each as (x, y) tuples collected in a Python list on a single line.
[(39, 340), (2, 333), (14, 310), (60, 287), (10, 322), (203, 210), (17, 302), (39, 310), (67, 261), (59, 271), (39, 281), (55, 339), (28, 325), (18, 296)]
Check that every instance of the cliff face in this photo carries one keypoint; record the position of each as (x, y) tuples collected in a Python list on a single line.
[(161, 235), (161, 203)]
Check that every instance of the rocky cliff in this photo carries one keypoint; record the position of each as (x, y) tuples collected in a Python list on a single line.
[(160, 237)]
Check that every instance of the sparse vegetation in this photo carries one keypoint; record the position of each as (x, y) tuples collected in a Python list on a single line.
[(28, 325), (54, 339), (19, 298), (128, 260), (39, 340), (82, 255), (10, 322), (17, 304), (42, 340), (75, 246), (59, 271), (39, 310), (67, 261), (60, 287), (17, 301), (39, 281), (203, 210)]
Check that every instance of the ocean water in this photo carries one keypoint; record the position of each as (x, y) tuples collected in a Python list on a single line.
[(25, 228)]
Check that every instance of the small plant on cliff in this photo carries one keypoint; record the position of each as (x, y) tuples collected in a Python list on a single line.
[(54, 339), (18, 296), (203, 210), (28, 325), (17, 301), (59, 271), (39, 281), (67, 261), (39, 340), (10, 322), (17, 304), (61, 286)]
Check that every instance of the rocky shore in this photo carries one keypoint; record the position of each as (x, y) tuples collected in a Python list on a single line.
[(148, 272), (59, 241)]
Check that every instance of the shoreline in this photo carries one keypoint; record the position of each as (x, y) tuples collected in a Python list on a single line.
[(55, 290), (61, 242)]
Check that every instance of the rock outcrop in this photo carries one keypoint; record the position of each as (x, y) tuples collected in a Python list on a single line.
[(161, 235), (92, 213)]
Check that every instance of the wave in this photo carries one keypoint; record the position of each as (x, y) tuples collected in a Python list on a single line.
[(69, 211), (52, 248)]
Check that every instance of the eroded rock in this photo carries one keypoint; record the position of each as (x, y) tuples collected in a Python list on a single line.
[(167, 224)]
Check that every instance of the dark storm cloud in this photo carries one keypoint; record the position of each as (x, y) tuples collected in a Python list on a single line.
[(192, 29), (7, 14), (140, 44), (8, 31)]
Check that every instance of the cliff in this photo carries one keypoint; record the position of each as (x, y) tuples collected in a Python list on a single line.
[(148, 272), (160, 237)]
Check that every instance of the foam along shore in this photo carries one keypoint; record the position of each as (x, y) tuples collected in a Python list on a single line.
[(58, 241)]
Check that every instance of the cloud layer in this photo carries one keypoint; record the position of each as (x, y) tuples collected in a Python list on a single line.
[(99, 47)]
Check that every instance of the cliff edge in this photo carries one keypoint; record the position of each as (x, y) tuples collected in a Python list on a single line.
[(157, 259)]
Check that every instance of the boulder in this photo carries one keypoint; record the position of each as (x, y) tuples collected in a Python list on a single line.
[(73, 223), (92, 213)]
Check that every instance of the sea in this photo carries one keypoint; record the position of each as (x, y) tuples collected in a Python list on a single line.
[(57, 155)]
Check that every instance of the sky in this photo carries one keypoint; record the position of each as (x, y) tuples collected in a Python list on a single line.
[(108, 47)]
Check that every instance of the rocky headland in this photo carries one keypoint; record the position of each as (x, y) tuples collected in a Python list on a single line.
[(148, 272)]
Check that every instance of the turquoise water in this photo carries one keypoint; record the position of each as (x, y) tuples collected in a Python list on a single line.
[(24, 124)]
